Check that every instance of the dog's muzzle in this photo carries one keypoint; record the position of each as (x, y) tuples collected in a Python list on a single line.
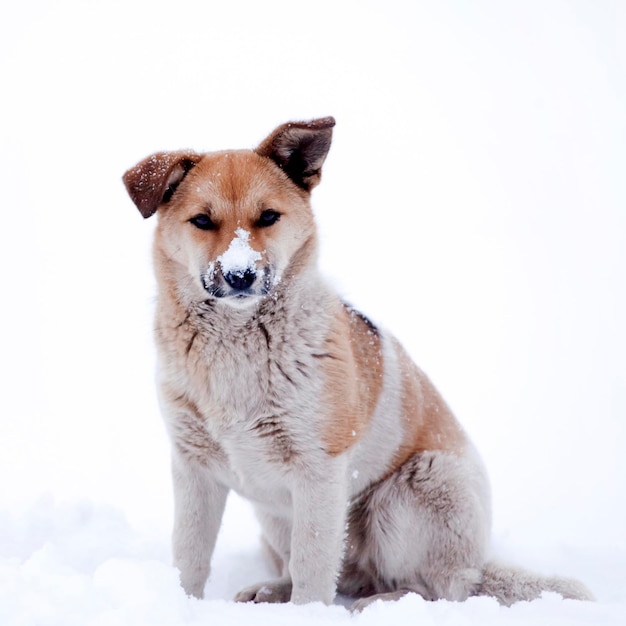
[(238, 286), (236, 275)]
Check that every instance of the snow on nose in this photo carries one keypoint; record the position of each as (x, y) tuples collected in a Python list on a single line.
[(239, 256)]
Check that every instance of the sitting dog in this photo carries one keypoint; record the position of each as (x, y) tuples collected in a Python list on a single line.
[(272, 386)]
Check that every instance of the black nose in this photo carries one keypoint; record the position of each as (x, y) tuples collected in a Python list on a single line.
[(240, 279)]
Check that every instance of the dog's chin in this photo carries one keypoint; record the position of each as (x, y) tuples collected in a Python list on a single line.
[(241, 300)]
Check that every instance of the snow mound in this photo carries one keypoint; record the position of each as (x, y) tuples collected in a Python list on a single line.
[(82, 564)]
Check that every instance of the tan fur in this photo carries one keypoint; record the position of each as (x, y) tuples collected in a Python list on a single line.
[(352, 369), (272, 386), (428, 422)]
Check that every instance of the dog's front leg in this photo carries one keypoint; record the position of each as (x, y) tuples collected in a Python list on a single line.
[(319, 517), (199, 503)]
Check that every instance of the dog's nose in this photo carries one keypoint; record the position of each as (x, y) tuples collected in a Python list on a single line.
[(240, 279)]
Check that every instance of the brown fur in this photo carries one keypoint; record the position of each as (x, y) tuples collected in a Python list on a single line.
[(428, 422), (353, 379)]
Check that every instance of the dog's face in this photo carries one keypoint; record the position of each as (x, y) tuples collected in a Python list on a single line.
[(232, 223)]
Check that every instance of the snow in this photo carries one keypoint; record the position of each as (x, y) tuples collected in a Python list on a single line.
[(472, 202), (239, 256), (77, 563)]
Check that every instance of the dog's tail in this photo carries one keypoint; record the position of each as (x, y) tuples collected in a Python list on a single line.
[(512, 584)]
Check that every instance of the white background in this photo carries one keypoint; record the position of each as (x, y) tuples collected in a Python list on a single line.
[(473, 202)]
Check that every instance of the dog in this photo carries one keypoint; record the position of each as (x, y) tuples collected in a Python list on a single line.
[(364, 482)]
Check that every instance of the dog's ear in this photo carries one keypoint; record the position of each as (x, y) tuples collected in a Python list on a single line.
[(299, 149), (154, 180)]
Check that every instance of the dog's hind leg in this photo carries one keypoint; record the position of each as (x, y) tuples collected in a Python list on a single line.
[(422, 530)]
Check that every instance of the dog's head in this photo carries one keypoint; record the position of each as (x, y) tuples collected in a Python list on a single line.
[(232, 223)]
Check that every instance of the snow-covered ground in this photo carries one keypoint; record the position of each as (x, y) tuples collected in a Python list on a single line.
[(473, 202)]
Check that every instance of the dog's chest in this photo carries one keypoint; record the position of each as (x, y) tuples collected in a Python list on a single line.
[(229, 376), (254, 392), (246, 373)]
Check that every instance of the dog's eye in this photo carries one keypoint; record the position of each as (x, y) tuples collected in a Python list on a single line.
[(268, 218), (203, 222)]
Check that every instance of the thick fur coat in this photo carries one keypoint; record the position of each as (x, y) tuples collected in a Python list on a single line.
[(270, 385)]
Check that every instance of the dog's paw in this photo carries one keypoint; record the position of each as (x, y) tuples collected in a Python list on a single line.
[(391, 596), (275, 591)]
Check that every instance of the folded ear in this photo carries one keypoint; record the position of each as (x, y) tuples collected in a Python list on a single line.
[(299, 149), (154, 180)]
